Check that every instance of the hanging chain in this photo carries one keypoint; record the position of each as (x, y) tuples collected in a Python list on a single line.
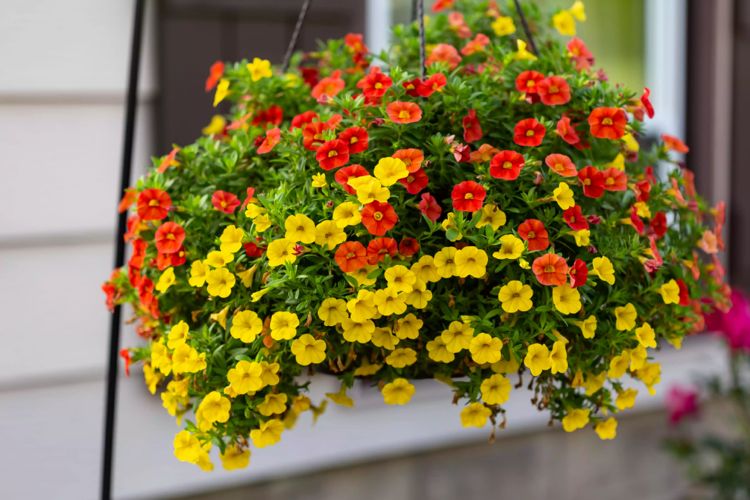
[(295, 35), (420, 23), (526, 29)]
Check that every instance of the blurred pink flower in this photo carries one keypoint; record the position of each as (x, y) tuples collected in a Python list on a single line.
[(733, 325), (681, 402)]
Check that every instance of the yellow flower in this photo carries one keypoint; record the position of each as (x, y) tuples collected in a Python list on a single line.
[(369, 189), (246, 277), (594, 382), (198, 272), (619, 365), (588, 327), (398, 392), (307, 350), (362, 275), (400, 278), (445, 262), (218, 259), (299, 228), (160, 358), (618, 162), (235, 458), (389, 301), (259, 69), (358, 331), (524, 264), (625, 317), (578, 10), (670, 292), (166, 280), (366, 369), (253, 211), (471, 261), (151, 377), (503, 26), (564, 23), (419, 297), (280, 251), (649, 374), (346, 214), (475, 415), (270, 373), (262, 223), (626, 399), (329, 234), (319, 181), (383, 337), (630, 143), (437, 351), (408, 327), (458, 336), (563, 195), (646, 335), (567, 299), (522, 54), (268, 434), (215, 126), (178, 334), (450, 223), (222, 89), (340, 397), (284, 325), (245, 377), (425, 269), (231, 239), (256, 296), (246, 326), (537, 359), (273, 404), (558, 358), (642, 209), (332, 311), (186, 359), (187, 448), (220, 282), (575, 419), (390, 170), (495, 390), (506, 366), (491, 215), (606, 429), (515, 297), (214, 407), (402, 357), (485, 349), (221, 317), (604, 269), (511, 247), (583, 238), (363, 306), (204, 460)]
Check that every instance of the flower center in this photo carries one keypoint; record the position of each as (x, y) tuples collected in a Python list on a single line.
[(153, 203), (377, 216), (507, 165), (469, 196), (549, 269), (607, 121), (587, 182), (403, 114), (531, 235), (332, 153), (530, 133)]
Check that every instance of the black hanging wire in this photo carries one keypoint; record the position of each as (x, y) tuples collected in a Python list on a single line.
[(295, 35), (420, 22), (125, 174), (526, 28)]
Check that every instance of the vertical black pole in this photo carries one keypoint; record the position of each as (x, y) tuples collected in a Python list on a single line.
[(125, 174), (420, 23), (526, 28)]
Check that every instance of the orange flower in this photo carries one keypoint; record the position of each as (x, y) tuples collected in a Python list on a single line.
[(566, 131), (351, 256), (328, 87), (608, 123), (224, 201), (404, 112), (554, 91), (472, 127), (273, 137), (561, 164), (153, 204), (476, 45), (169, 238), (332, 154), (550, 270), (446, 53), (343, 175), (468, 196), (527, 81), (672, 143), (127, 200), (413, 158), (214, 75), (378, 217), (168, 160), (507, 165), (534, 233), (529, 132), (378, 248), (615, 179), (356, 138)]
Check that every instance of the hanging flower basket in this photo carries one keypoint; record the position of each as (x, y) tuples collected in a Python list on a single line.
[(494, 219)]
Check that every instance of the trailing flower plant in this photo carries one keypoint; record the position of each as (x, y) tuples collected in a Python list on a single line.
[(496, 218)]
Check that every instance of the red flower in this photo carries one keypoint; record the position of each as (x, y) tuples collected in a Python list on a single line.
[(138, 255), (646, 101), (356, 138), (274, 115), (214, 75), (413, 158), (478, 44), (273, 137), (153, 204), (566, 131), (415, 181), (312, 134), (580, 54), (332, 154), (128, 198), (461, 152), (356, 42), (483, 154), (343, 175), (176, 259), (311, 76), (659, 225), (472, 127), (225, 202), (529, 132), (468, 196), (169, 160), (561, 164), (528, 81), (533, 232), (446, 53), (249, 196), (615, 179), (554, 91), (550, 270), (442, 5), (125, 355), (426, 88), (430, 207), (592, 180), (404, 112), (507, 165), (378, 217), (378, 248), (575, 219), (374, 85), (169, 238), (351, 256), (636, 221), (252, 250), (608, 123), (408, 247), (302, 119), (328, 87), (672, 143), (579, 274), (684, 292), (642, 190)]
